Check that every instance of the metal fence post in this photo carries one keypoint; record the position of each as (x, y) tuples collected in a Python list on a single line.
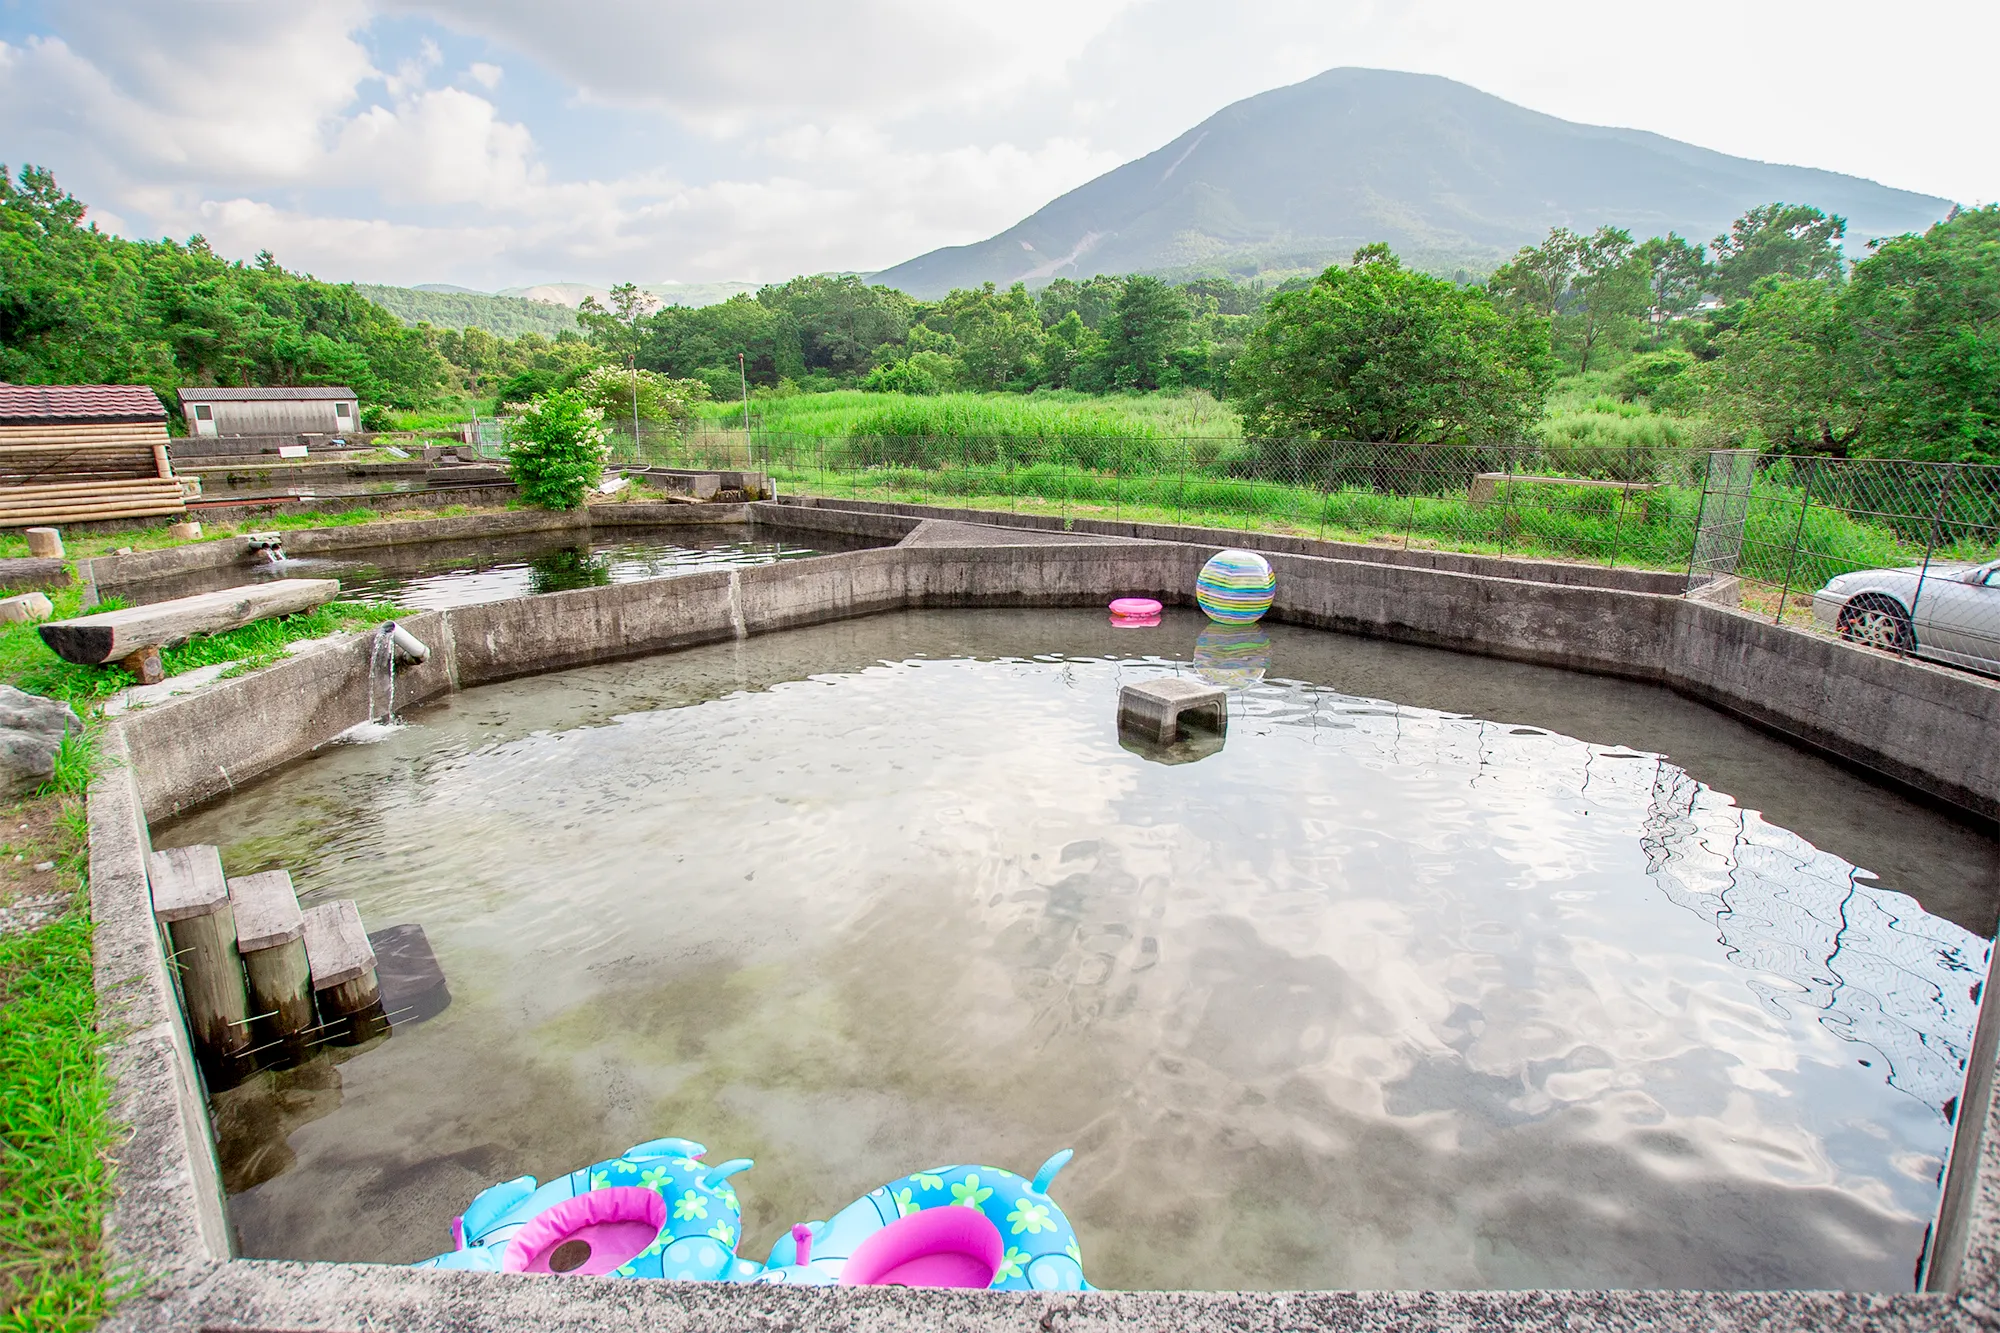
[(1945, 476), (1798, 535)]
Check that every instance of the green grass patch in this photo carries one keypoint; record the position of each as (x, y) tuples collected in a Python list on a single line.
[(263, 643), (56, 1134)]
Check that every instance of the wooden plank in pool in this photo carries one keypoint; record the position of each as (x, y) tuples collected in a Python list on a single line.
[(343, 971), (191, 899), (270, 934)]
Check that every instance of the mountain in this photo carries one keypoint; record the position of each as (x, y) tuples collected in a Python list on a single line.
[(447, 307), (1299, 177)]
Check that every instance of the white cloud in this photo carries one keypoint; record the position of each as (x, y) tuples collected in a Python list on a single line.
[(857, 136)]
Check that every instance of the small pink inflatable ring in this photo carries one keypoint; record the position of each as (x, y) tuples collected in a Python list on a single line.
[(1135, 606)]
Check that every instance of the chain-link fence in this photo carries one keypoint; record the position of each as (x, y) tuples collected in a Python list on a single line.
[(1613, 506), (1888, 552)]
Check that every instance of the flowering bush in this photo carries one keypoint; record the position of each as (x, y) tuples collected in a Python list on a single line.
[(661, 400), (556, 449)]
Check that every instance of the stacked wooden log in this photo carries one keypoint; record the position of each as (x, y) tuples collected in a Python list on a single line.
[(72, 473)]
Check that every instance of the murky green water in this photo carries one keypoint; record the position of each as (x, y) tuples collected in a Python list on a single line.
[(1377, 995)]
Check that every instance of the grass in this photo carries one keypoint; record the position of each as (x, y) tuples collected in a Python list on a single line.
[(56, 1132), (1047, 415)]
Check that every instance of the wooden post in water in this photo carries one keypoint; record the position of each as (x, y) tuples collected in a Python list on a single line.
[(343, 973), (270, 934), (191, 899)]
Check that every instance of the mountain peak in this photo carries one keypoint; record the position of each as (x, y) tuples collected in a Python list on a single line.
[(1296, 178)]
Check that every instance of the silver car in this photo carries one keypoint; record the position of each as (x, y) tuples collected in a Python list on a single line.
[(1949, 612)]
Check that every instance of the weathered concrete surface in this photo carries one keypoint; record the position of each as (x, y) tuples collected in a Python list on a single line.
[(166, 1214), (1895, 716), (200, 745), (265, 1295), (949, 532), (1568, 573)]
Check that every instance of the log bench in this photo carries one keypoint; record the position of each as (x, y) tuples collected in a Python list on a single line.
[(133, 637)]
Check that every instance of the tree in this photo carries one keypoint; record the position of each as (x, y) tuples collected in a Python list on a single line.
[(1539, 277), (1785, 369), (1589, 288), (1925, 348), (1375, 352), (998, 335), (1609, 292), (616, 329), (840, 320), (556, 449), (1677, 273), (618, 393), (1778, 240), (1148, 325)]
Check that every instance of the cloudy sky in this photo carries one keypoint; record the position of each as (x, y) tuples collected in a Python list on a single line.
[(501, 142)]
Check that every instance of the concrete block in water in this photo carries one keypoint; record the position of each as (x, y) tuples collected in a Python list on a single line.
[(1157, 709)]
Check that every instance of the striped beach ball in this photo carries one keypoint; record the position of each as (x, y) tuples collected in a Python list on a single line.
[(1236, 587)]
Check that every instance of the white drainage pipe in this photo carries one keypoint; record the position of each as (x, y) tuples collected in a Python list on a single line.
[(408, 647)]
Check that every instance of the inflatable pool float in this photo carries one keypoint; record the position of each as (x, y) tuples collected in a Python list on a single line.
[(1235, 587), (955, 1226), (1135, 612), (656, 1211)]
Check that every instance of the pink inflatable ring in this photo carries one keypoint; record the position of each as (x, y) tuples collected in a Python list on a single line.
[(1135, 606)]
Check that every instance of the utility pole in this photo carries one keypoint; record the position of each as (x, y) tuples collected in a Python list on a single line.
[(632, 364), (743, 376)]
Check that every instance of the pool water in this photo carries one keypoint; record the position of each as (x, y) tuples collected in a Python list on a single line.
[(1377, 994), (437, 575)]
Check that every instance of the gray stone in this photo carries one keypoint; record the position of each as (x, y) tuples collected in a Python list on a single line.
[(31, 731)]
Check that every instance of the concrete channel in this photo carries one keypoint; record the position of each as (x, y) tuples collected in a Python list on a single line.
[(1926, 729)]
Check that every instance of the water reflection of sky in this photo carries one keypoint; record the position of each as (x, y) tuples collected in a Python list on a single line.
[(1374, 996)]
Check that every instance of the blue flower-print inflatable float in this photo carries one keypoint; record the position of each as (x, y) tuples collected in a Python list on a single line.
[(954, 1226), (658, 1211)]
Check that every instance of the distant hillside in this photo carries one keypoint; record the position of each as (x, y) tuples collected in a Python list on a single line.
[(669, 293), (1299, 177), (457, 308)]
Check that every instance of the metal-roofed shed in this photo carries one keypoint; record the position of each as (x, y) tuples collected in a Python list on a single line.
[(308, 410)]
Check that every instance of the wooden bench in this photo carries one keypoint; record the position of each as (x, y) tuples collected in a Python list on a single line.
[(1485, 484), (133, 637)]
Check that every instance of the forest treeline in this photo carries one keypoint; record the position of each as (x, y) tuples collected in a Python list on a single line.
[(1766, 332)]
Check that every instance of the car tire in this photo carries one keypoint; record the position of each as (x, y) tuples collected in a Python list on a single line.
[(1877, 622)]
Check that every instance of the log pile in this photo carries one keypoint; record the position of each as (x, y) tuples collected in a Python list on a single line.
[(76, 473)]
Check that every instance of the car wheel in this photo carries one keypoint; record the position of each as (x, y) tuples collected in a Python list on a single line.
[(1879, 622)]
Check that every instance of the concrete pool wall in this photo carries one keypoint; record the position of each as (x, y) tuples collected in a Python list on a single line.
[(1927, 728)]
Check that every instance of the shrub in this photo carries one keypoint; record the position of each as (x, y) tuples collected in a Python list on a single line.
[(556, 450)]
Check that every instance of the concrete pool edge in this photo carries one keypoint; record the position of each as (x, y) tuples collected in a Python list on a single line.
[(167, 1217)]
